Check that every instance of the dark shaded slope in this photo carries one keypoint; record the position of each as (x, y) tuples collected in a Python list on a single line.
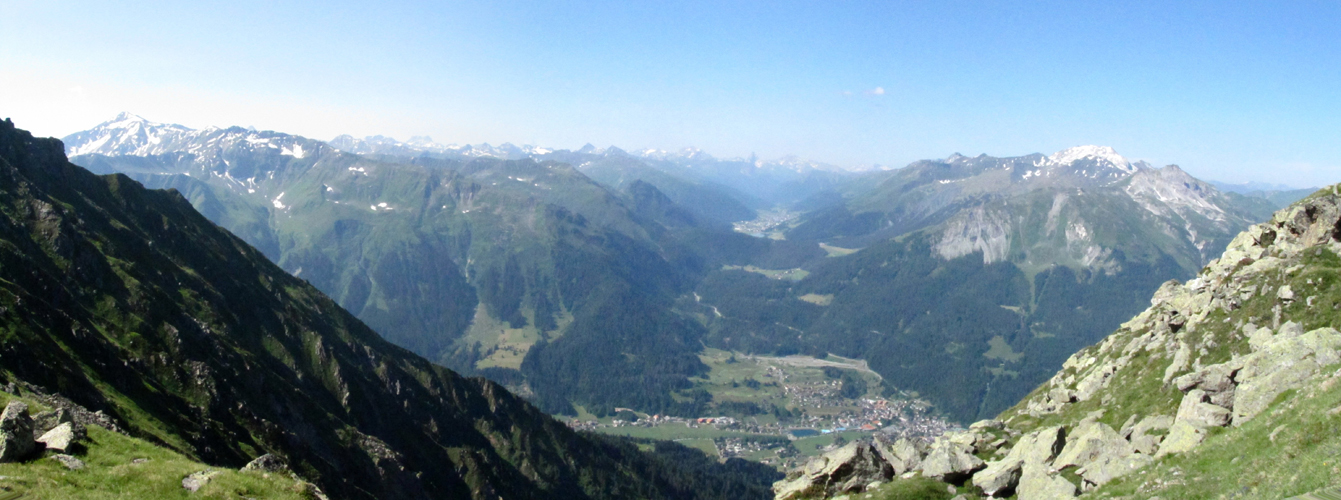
[(128, 300)]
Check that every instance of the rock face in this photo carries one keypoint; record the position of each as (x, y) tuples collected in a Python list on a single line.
[(16, 433), (846, 470)]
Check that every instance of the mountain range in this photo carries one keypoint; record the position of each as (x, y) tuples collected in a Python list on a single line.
[(595, 277)]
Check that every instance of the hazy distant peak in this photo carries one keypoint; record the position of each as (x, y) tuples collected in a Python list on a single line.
[(689, 153)]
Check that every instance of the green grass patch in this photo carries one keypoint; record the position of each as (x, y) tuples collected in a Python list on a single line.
[(123, 467)]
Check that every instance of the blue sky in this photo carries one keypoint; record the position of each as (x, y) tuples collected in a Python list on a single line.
[(1233, 91)]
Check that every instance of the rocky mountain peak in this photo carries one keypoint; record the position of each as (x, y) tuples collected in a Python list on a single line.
[(1170, 190), (1099, 156), (125, 134)]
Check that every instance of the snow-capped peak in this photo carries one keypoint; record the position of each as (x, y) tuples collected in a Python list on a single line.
[(126, 134), (126, 116), (1099, 154)]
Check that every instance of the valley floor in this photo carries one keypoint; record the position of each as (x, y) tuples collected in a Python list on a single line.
[(780, 410)]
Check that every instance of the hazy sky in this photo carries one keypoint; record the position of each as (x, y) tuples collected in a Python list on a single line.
[(1232, 91)]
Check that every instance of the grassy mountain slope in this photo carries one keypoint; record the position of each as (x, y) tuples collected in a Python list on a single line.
[(129, 301), (117, 466), (1283, 438)]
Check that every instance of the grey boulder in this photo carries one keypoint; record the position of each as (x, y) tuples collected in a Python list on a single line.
[(16, 433)]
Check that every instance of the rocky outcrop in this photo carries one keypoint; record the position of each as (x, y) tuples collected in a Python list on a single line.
[(197, 480), (951, 457), (267, 463), (69, 462), (16, 433), (903, 455), (1143, 435), (849, 469), (1195, 361)]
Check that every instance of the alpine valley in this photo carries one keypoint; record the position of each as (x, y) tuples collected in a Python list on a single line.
[(595, 279), (369, 318)]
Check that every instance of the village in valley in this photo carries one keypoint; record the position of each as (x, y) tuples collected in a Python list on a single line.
[(804, 406)]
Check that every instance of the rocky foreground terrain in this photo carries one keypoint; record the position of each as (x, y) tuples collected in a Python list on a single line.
[(1226, 387)]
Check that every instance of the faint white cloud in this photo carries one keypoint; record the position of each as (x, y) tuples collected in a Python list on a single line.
[(876, 91), (78, 93)]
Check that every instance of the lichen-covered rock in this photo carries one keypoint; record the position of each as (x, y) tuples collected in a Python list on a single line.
[(1287, 362), (951, 458), (63, 438), (16, 433), (999, 478), (1196, 409), (1040, 447), (1107, 467), (1037, 484), (1183, 436), (47, 420), (267, 463), (1035, 450), (1091, 441), (70, 462), (1143, 440), (987, 424), (198, 480), (1217, 381), (845, 470), (903, 455), (1101, 453)]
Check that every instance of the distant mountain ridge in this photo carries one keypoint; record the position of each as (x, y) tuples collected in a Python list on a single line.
[(932, 193), (1278, 194)]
